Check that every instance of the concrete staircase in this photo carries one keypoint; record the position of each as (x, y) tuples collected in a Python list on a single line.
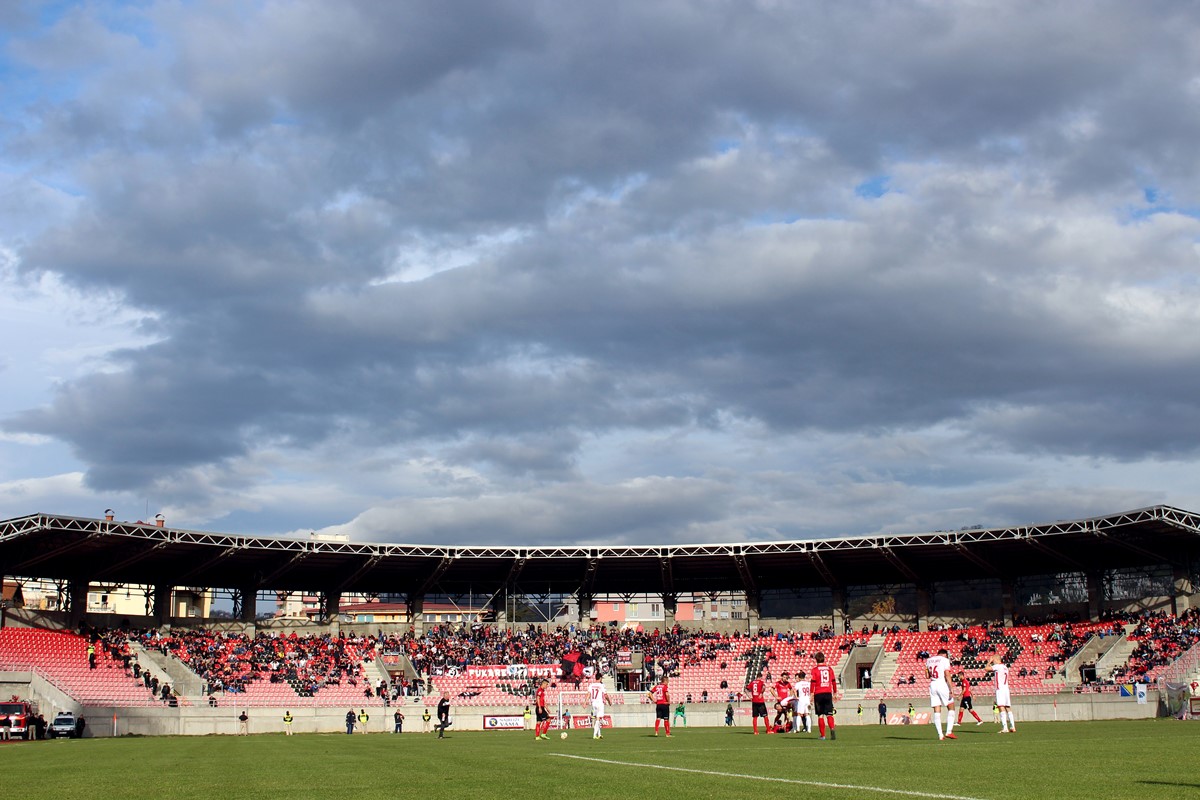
[(1118, 652), (169, 670)]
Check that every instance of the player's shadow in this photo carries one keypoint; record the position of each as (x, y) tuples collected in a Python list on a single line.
[(1171, 783)]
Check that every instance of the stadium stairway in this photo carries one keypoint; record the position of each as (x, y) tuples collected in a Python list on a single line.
[(883, 674), (1116, 655), (177, 673)]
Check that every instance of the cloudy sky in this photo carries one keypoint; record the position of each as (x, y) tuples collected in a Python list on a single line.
[(626, 272)]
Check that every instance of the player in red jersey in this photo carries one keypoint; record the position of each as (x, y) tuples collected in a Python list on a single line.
[(824, 689), (757, 690), (964, 701), (660, 695), (541, 728), (783, 704)]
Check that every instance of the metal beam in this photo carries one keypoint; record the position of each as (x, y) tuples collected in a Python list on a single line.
[(186, 577), (822, 569), (131, 560), (284, 568), (1042, 547), (749, 585), (367, 566), (1133, 548), (977, 560), (899, 564), (434, 577), (21, 567)]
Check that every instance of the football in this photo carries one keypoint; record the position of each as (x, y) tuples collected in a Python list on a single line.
[(562, 735)]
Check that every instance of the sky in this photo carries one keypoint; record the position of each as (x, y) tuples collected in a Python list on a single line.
[(535, 272)]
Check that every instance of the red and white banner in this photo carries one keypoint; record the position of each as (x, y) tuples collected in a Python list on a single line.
[(506, 722), (584, 721), (624, 658), (518, 671)]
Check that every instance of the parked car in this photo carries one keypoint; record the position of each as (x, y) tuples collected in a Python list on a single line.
[(64, 724)]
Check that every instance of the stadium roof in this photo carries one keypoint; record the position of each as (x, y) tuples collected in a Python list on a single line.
[(98, 550)]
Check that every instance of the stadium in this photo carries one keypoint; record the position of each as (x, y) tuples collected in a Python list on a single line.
[(1093, 617)]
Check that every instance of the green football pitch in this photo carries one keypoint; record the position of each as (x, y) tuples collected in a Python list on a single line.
[(1117, 759)]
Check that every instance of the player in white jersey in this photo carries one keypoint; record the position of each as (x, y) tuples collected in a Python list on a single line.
[(597, 696), (802, 695), (938, 669), (999, 672)]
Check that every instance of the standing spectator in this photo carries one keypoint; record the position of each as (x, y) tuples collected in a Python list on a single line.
[(882, 713), (425, 717), (5, 727), (363, 719), (729, 715), (243, 724), (443, 715), (287, 722), (399, 719), (350, 719)]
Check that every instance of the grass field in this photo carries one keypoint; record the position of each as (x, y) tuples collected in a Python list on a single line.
[(1092, 760)]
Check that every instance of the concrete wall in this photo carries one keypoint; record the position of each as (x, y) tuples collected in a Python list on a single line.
[(202, 721)]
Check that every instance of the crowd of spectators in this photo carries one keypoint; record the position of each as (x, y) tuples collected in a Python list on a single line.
[(229, 662), (1161, 638)]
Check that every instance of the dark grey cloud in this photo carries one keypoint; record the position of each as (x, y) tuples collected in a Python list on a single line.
[(627, 220)]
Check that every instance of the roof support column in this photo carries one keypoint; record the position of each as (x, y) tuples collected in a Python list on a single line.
[(585, 608), (670, 603), (924, 605), (77, 595), (162, 604), (753, 611), (838, 616), (416, 613), (1095, 592), (249, 596), (331, 600), (1008, 600), (1181, 592)]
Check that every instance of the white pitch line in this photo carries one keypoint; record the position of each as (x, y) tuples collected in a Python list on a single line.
[(820, 784)]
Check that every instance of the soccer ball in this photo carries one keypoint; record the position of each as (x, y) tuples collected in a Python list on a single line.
[(562, 735)]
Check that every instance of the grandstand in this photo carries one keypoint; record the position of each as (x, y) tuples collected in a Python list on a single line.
[(1057, 650)]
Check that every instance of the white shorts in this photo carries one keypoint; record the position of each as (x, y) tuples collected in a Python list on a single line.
[(801, 706), (598, 710), (1003, 697), (939, 694)]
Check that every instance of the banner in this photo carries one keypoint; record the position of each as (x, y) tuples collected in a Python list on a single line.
[(505, 722), (624, 658), (583, 721), (513, 671)]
